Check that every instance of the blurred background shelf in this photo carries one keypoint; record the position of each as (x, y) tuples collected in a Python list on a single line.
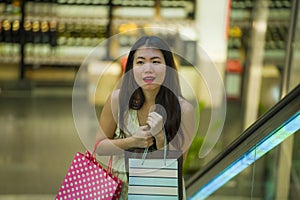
[(64, 32)]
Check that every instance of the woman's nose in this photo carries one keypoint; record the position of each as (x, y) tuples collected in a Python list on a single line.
[(148, 67)]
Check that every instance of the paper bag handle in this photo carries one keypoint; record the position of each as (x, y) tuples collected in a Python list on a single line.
[(165, 149), (109, 170)]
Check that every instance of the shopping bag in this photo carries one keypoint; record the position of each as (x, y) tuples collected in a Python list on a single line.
[(87, 179), (154, 176)]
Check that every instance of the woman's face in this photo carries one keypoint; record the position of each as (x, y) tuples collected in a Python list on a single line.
[(149, 68)]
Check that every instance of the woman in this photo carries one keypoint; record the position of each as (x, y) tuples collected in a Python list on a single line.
[(150, 106)]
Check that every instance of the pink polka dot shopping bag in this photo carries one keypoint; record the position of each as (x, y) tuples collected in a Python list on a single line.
[(86, 179)]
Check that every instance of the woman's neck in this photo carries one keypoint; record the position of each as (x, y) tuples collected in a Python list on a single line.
[(150, 97)]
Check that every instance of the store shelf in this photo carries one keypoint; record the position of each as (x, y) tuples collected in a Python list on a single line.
[(64, 32), (55, 33), (83, 2), (234, 54), (62, 55), (240, 15), (134, 12), (278, 21), (134, 3), (51, 74), (9, 53), (10, 17)]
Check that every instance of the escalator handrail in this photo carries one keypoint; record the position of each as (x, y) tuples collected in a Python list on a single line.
[(265, 118)]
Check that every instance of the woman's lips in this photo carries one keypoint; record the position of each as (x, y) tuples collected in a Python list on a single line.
[(148, 79)]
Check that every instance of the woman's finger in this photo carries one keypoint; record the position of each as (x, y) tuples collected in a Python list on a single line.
[(154, 115), (145, 128)]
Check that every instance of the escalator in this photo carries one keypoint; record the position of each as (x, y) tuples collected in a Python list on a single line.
[(270, 130)]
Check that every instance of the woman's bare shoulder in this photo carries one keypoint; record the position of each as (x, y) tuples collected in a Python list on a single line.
[(115, 95), (114, 101), (186, 106)]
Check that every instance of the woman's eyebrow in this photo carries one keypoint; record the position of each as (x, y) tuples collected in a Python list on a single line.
[(152, 58), (156, 57)]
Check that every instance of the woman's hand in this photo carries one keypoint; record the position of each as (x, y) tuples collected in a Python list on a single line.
[(155, 121), (142, 138)]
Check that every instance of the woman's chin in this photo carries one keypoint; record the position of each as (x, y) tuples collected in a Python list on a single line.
[(150, 87)]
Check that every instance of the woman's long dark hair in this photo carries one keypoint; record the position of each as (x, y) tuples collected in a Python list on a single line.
[(132, 97)]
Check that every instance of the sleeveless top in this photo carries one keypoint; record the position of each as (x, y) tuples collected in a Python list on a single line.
[(132, 124)]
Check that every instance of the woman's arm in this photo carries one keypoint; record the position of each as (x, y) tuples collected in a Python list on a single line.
[(108, 125), (187, 125), (108, 117)]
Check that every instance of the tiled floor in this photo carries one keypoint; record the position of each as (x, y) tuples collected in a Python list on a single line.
[(38, 142), (26, 197)]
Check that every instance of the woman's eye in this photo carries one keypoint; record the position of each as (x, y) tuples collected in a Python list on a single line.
[(140, 62), (156, 62)]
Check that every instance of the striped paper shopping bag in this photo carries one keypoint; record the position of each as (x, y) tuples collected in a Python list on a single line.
[(154, 177)]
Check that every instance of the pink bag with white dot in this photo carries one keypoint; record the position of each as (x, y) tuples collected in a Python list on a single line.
[(86, 179)]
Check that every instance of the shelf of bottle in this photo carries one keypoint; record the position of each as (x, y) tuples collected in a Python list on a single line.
[(237, 14), (9, 52), (124, 5), (171, 24), (151, 4), (11, 17), (241, 23), (66, 20), (274, 15), (12, 59), (43, 74), (274, 56), (279, 15), (131, 3), (52, 60), (145, 3), (277, 57), (150, 13), (76, 20), (66, 11), (271, 56), (83, 2), (61, 55), (234, 53)]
